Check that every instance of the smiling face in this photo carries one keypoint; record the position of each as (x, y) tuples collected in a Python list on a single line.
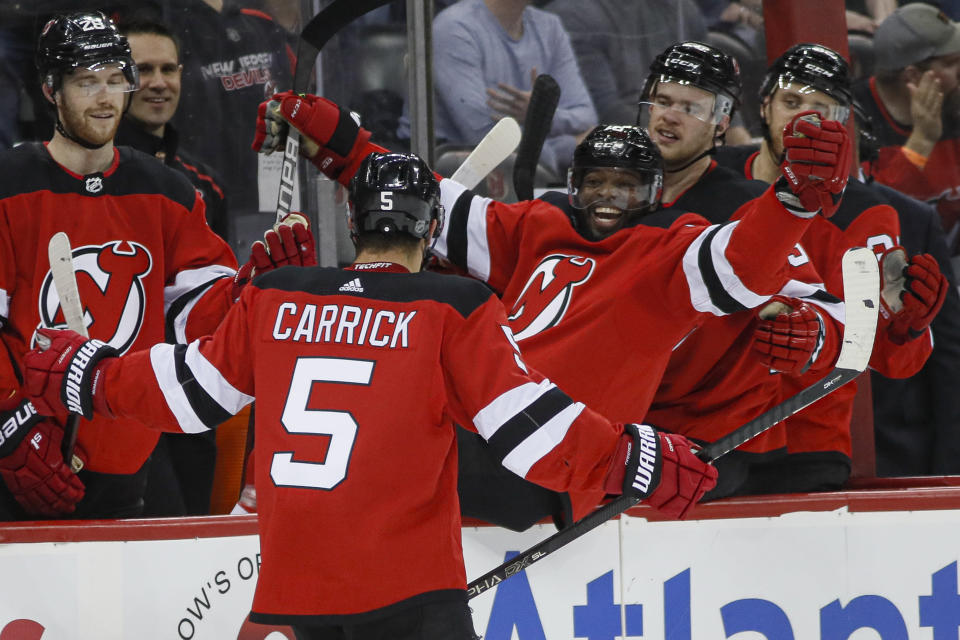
[(680, 122), (156, 101), (90, 103), (607, 196)]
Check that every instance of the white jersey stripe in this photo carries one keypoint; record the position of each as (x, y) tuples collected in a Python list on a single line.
[(805, 290), (478, 252), (212, 381), (728, 278), (161, 357), (504, 407), (189, 279), (542, 441)]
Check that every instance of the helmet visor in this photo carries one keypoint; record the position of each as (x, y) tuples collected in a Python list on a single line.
[(806, 97), (623, 189), (112, 76), (709, 107)]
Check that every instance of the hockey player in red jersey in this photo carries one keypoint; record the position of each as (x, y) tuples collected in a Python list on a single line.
[(719, 377), (359, 375), (810, 78), (148, 269), (596, 297)]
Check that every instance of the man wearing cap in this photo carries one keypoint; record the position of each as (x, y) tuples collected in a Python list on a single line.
[(914, 102)]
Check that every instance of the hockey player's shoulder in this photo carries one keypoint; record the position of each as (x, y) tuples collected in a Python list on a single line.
[(22, 167), (140, 173)]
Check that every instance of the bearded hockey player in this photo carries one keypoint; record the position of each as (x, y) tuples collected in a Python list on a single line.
[(148, 269), (359, 375)]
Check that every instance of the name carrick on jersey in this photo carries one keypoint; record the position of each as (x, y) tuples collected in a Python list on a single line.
[(359, 376), (601, 318), (148, 269)]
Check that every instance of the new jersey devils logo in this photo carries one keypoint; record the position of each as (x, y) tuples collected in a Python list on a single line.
[(110, 281), (546, 296)]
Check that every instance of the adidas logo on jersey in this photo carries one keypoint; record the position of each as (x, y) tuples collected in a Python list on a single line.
[(353, 285)]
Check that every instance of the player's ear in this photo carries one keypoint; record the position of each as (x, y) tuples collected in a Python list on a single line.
[(722, 127), (47, 91)]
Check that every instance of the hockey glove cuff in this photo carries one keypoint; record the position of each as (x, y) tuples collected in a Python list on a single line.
[(68, 373), (661, 469), (912, 293)]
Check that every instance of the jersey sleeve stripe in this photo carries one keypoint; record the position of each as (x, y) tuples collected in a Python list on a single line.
[(204, 406), (526, 421), (213, 384), (164, 369), (815, 294), (714, 285), (489, 419), (457, 236), (4, 305), (469, 226), (180, 297), (542, 441)]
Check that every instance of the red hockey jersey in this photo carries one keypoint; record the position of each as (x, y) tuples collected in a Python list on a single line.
[(359, 376), (148, 269), (601, 318)]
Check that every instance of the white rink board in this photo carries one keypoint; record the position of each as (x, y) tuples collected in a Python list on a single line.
[(711, 579)]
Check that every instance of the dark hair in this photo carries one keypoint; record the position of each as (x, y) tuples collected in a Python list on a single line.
[(379, 242), (142, 26)]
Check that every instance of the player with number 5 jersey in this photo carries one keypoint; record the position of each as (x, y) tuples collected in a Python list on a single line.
[(359, 375)]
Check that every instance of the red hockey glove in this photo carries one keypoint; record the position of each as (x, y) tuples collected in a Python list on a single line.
[(816, 165), (789, 336), (31, 464), (68, 373), (661, 468), (337, 132), (289, 242), (912, 293)]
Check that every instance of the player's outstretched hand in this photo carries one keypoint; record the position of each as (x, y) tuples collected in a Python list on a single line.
[(789, 336), (332, 135), (913, 291), (289, 242), (816, 165), (661, 468), (46, 380), (32, 467)]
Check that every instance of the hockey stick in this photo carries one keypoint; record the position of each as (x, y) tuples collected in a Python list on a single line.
[(536, 125), (861, 286), (323, 26), (65, 281), (495, 147)]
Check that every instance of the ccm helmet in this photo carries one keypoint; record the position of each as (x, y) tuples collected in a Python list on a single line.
[(700, 65), (394, 193), (86, 40), (618, 147), (812, 66)]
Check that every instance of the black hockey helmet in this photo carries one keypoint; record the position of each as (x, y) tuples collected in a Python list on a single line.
[(811, 66), (394, 193), (868, 145), (617, 147), (83, 40), (700, 65)]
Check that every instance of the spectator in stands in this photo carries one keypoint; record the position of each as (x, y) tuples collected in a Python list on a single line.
[(864, 15), (146, 125), (233, 58), (486, 55), (914, 102), (182, 466), (616, 38)]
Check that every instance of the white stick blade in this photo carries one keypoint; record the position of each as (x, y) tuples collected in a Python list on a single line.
[(861, 294), (65, 281), (496, 146)]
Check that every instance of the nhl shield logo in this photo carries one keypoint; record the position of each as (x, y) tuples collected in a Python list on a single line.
[(94, 184), (547, 294)]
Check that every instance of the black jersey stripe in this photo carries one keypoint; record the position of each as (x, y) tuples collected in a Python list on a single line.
[(457, 232), (719, 296), (203, 405), (523, 424)]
